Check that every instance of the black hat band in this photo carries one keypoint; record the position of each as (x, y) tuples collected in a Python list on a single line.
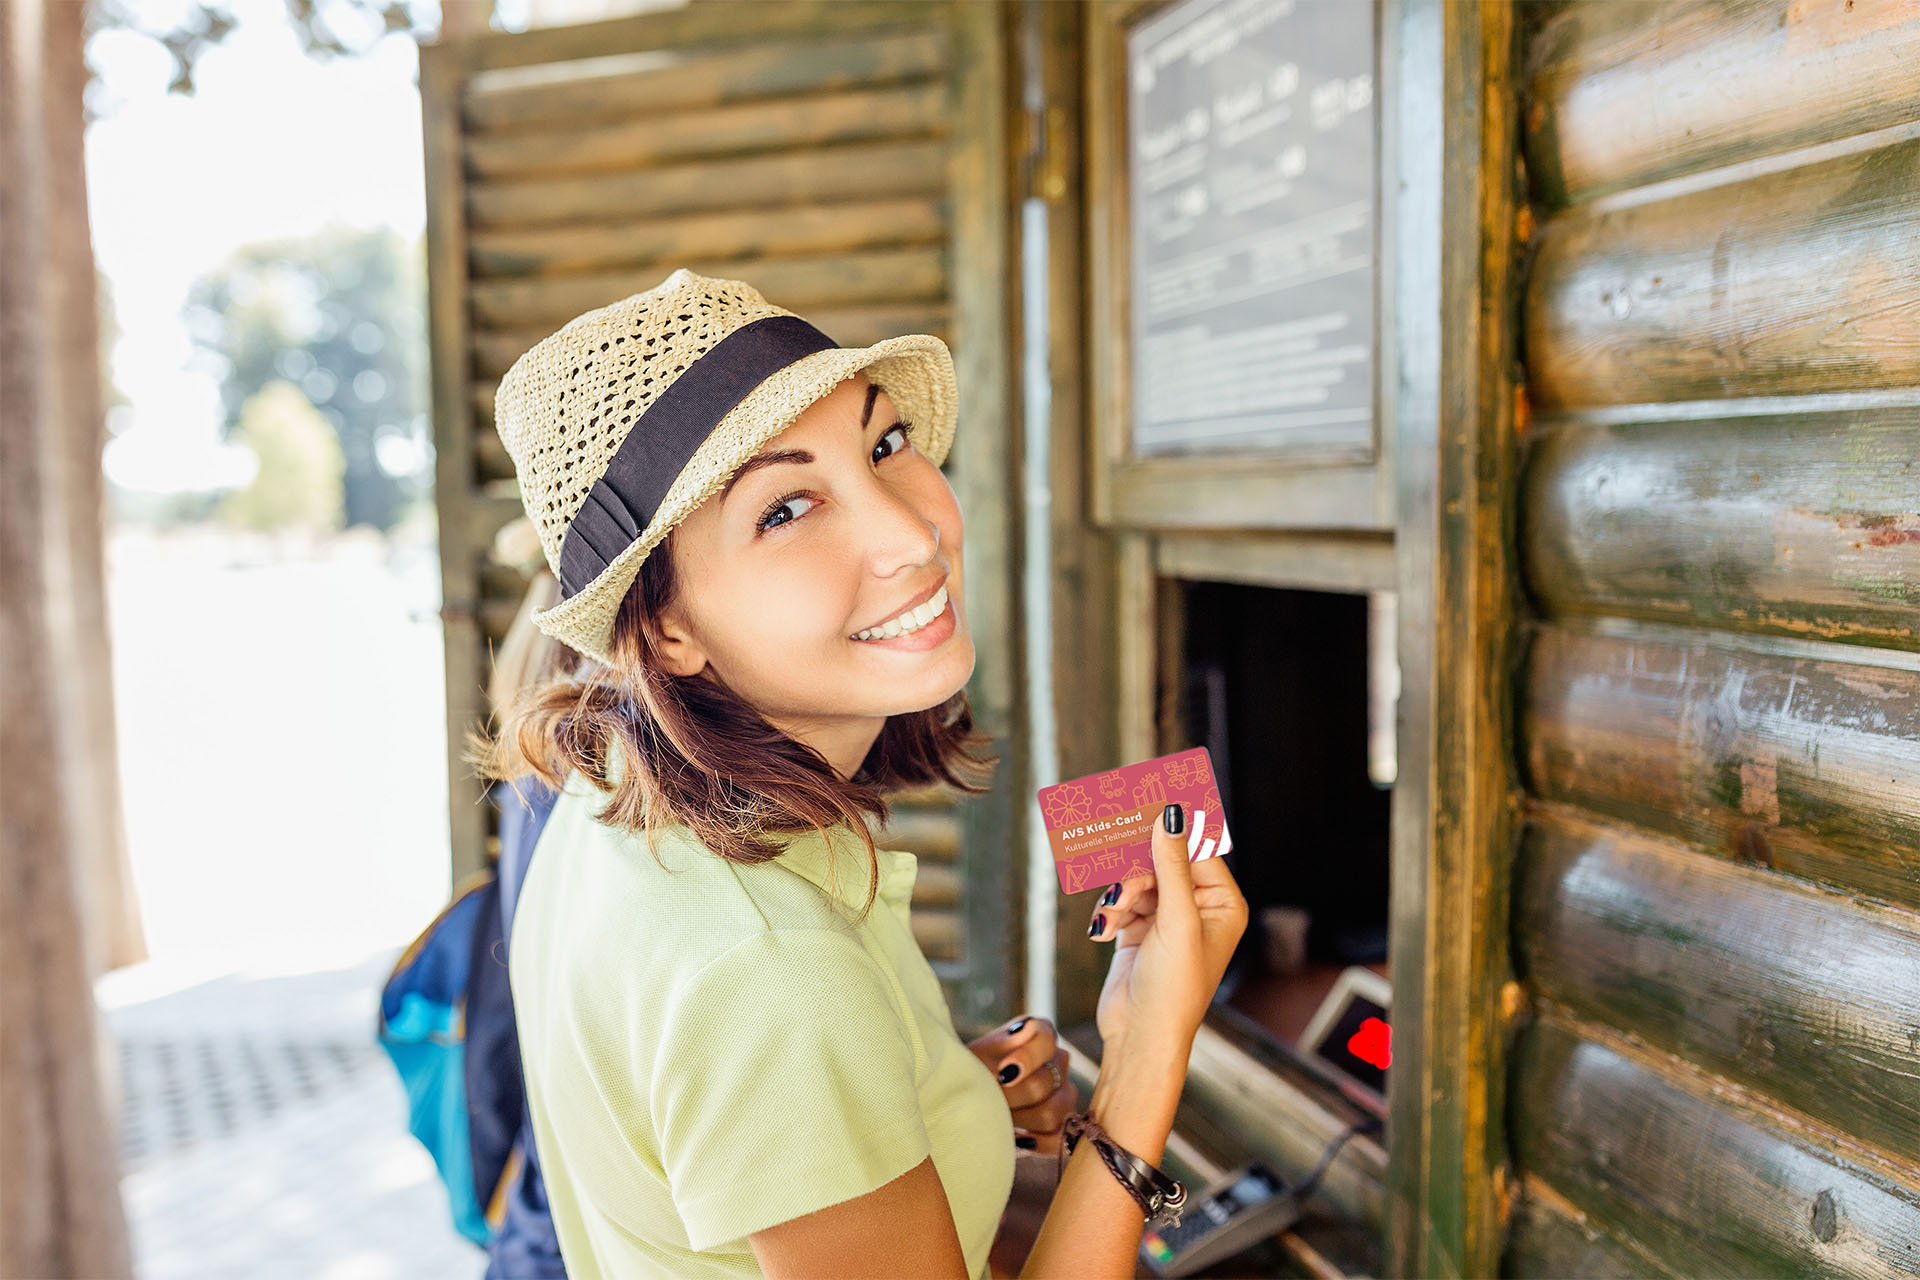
[(622, 502)]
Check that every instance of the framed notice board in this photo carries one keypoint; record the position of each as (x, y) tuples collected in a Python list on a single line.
[(1234, 232)]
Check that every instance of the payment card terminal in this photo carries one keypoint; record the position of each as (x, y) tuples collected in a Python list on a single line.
[(1237, 1212)]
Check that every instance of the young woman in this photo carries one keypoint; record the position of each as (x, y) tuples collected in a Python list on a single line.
[(738, 1062)]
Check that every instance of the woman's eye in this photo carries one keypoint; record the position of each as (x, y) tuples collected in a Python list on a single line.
[(906, 432), (767, 520)]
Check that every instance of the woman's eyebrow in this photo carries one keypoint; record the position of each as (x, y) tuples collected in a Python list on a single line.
[(791, 455), (764, 460)]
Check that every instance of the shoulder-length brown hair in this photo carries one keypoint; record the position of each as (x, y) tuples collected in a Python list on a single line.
[(694, 753)]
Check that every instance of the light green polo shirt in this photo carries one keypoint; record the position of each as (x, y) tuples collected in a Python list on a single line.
[(716, 1048)]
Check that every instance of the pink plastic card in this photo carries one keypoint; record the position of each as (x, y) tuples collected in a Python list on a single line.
[(1101, 826)]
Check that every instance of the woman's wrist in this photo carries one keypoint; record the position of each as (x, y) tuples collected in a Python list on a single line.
[(1093, 1225), (1138, 1092)]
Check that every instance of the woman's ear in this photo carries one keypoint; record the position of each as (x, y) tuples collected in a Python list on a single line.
[(678, 652)]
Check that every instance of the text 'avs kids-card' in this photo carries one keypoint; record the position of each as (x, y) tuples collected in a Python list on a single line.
[(1101, 826)]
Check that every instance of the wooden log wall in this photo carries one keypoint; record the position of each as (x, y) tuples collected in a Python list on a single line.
[(1716, 906), (806, 147)]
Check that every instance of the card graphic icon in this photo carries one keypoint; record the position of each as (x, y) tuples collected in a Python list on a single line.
[(1101, 826)]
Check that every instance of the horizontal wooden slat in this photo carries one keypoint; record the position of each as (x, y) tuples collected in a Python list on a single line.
[(798, 284), (1551, 1240), (500, 581), (905, 111), (496, 618), (1194, 492), (494, 351), (1804, 997), (1805, 526), (493, 505), (929, 834), (491, 461), (936, 884), (628, 76), (865, 325), (1624, 94), (1299, 561), (932, 795), (1654, 1153), (1807, 765), (865, 171), (748, 233), (939, 933), (494, 354), (1796, 282)]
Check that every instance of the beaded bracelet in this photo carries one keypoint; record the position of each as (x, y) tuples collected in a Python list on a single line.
[(1152, 1190)]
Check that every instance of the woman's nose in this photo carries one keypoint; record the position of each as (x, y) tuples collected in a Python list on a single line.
[(901, 535)]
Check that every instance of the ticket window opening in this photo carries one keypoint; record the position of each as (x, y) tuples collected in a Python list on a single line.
[(1293, 695)]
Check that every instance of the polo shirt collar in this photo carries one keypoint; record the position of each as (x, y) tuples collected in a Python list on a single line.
[(811, 856)]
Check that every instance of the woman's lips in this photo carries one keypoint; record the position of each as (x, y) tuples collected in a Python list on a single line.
[(907, 608), (937, 632)]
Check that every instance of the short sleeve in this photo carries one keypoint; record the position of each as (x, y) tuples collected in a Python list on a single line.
[(785, 1082)]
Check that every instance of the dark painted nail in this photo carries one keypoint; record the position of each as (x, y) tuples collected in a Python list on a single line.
[(1174, 820), (1099, 923), (1015, 1028), (1008, 1072), (1112, 894), (1025, 1143)]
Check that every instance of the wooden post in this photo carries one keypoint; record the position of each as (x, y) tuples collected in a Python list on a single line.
[(1456, 798), (1081, 564), (60, 1211)]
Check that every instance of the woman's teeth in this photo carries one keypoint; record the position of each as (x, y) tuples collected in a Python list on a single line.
[(911, 620)]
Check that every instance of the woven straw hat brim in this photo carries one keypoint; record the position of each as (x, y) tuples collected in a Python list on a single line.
[(916, 372)]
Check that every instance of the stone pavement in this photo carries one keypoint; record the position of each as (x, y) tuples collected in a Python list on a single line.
[(284, 761), (263, 1132)]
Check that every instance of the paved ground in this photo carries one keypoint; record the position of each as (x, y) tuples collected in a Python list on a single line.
[(264, 1134), (283, 757)]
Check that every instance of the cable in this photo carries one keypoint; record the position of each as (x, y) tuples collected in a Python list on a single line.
[(1366, 1124)]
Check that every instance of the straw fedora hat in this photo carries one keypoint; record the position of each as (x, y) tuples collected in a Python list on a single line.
[(626, 420)]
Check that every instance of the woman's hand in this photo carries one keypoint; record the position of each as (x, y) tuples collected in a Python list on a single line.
[(1175, 931), (1019, 1054)]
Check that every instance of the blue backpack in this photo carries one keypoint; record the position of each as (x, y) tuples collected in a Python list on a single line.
[(423, 1028), (446, 1020)]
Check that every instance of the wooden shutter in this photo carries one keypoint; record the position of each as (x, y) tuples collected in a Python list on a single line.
[(848, 161)]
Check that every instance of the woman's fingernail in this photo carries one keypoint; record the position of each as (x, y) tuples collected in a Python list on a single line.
[(1025, 1143), (1099, 923), (1008, 1072), (1174, 821), (1014, 1029), (1112, 895)]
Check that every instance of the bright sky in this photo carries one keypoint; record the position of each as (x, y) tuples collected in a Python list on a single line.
[(273, 143)]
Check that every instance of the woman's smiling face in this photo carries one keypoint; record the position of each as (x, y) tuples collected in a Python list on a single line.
[(836, 527)]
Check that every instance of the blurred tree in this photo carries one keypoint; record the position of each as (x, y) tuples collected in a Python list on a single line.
[(339, 314), (299, 481), (334, 29)]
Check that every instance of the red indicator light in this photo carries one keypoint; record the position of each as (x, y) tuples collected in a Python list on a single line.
[(1373, 1043)]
